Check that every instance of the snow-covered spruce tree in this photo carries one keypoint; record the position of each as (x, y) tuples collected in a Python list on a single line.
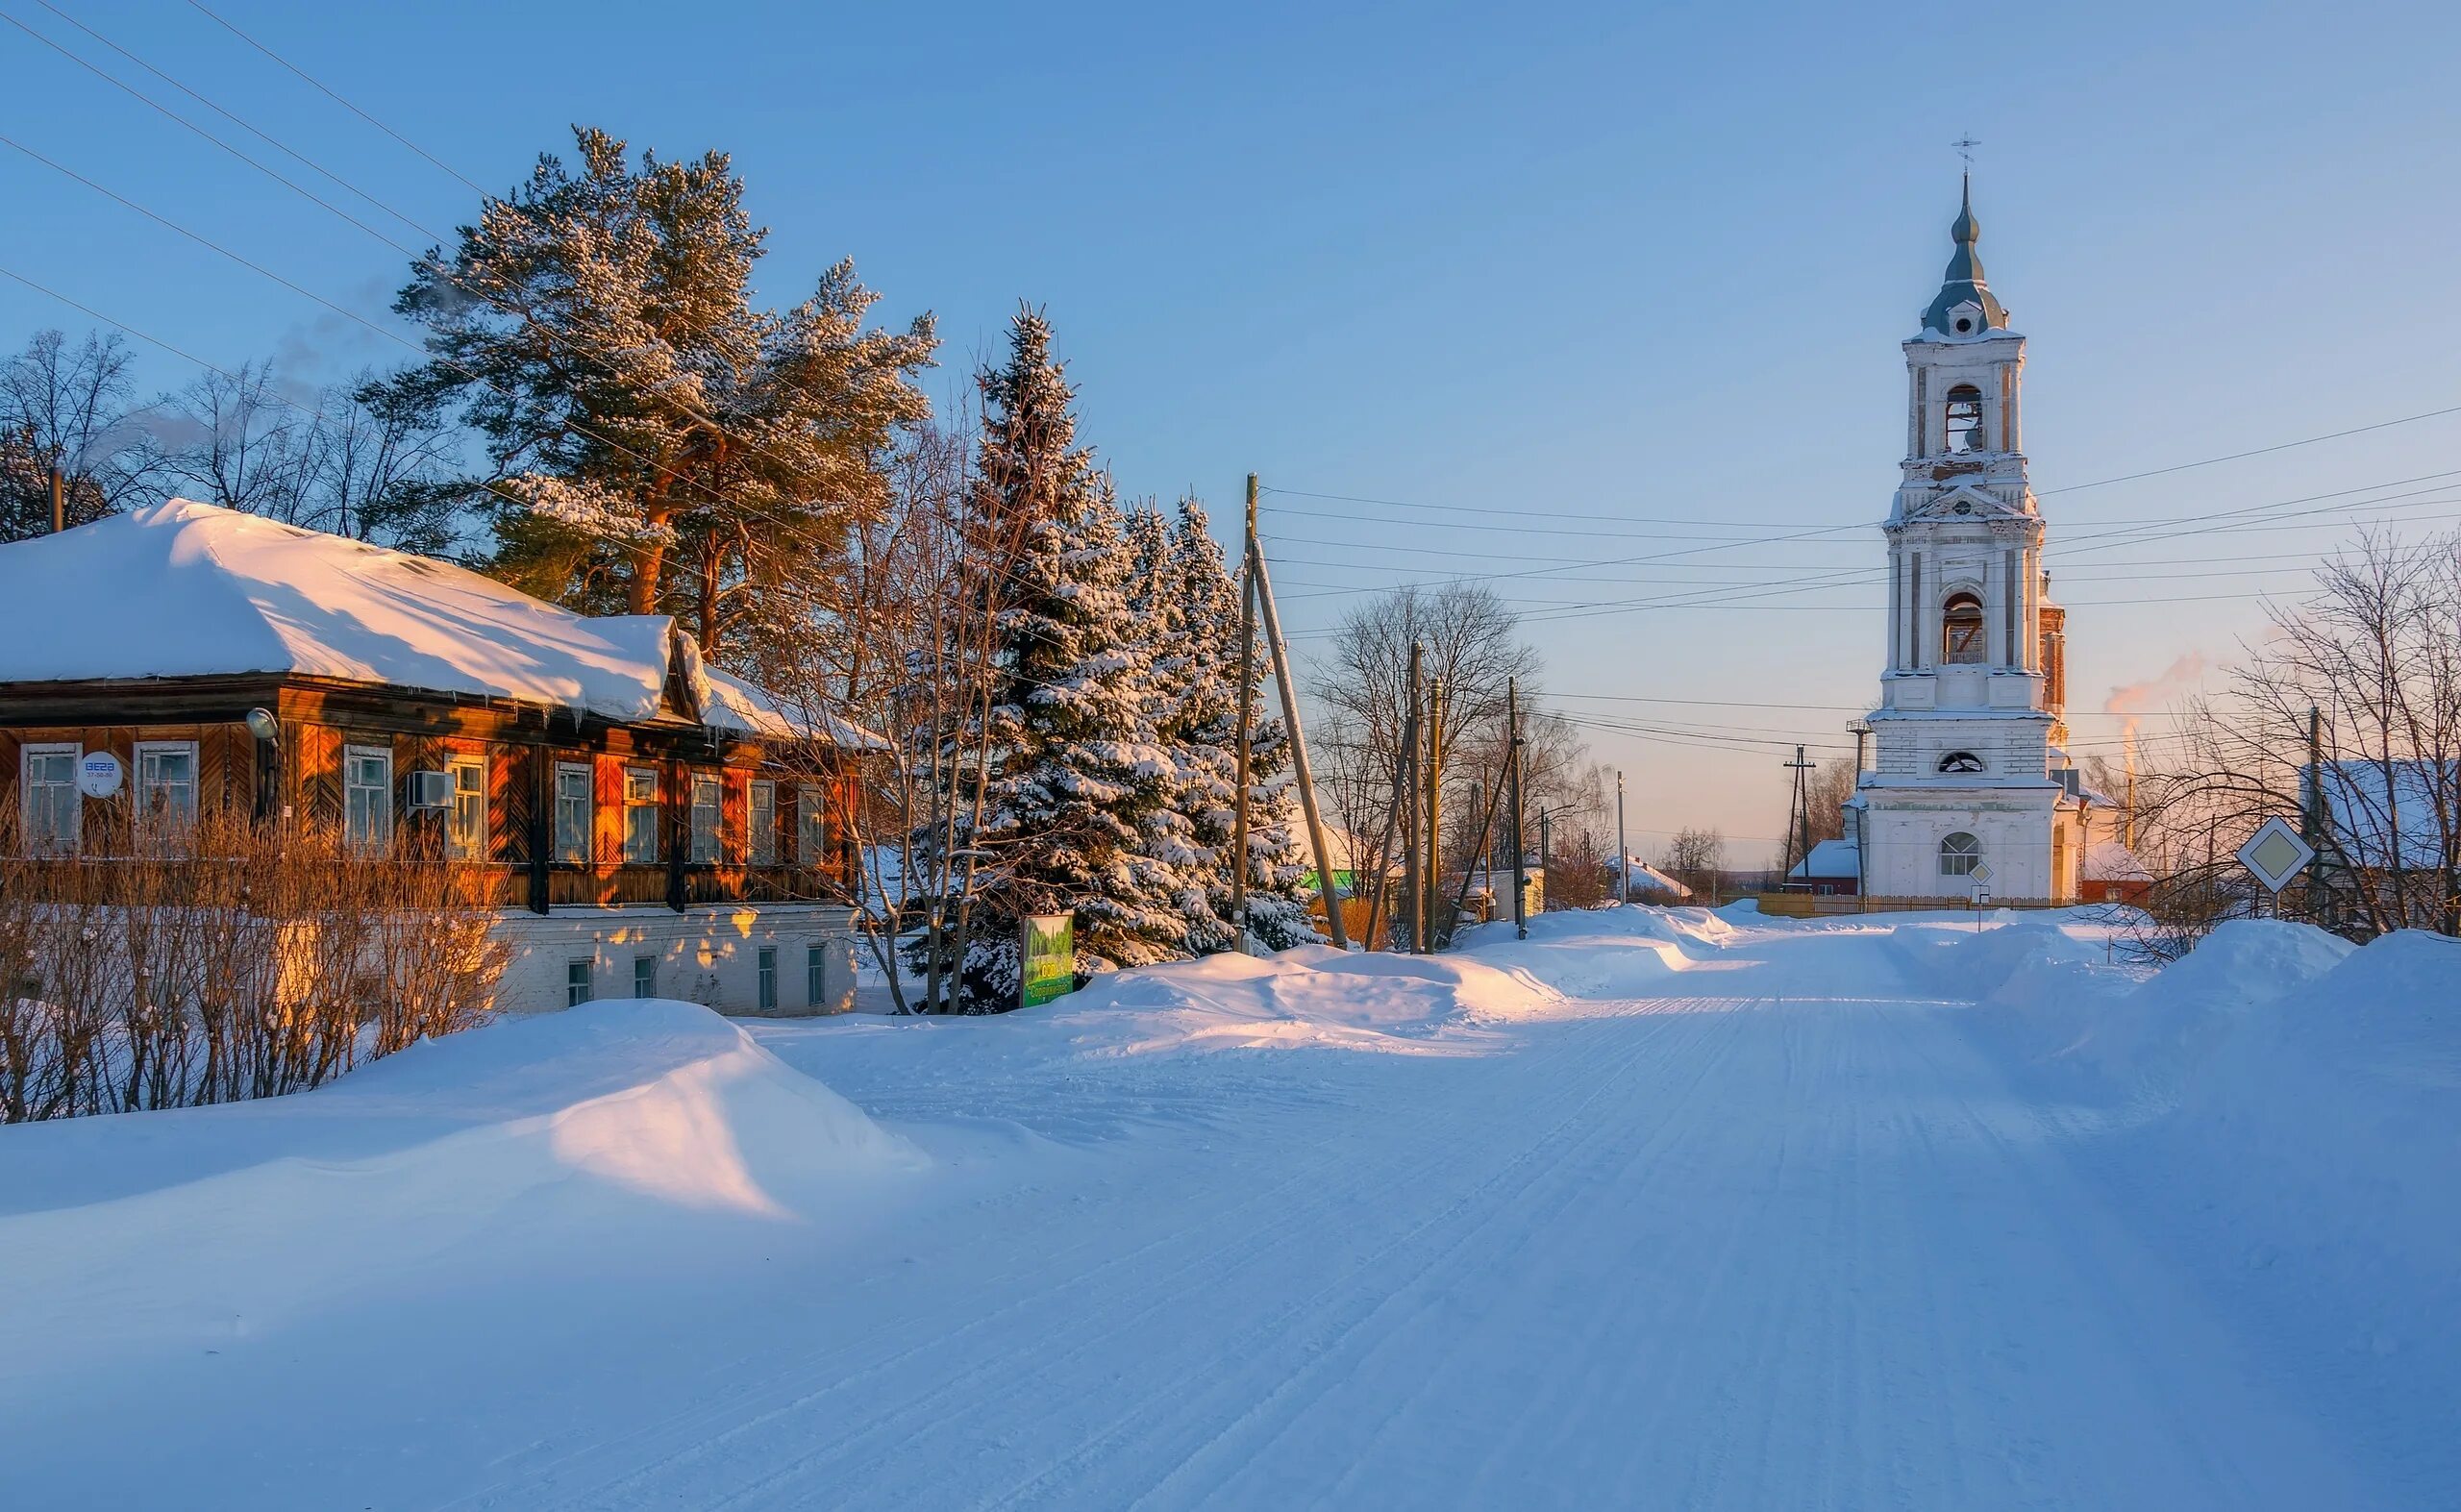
[(1173, 611), (1206, 749), (1079, 777)]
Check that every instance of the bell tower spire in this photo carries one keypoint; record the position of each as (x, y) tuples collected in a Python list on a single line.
[(1964, 285)]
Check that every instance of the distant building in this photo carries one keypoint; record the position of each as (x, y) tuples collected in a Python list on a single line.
[(1971, 779), (2113, 874), (1834, 868), (1647, 881), (2388, 842), (652, 826)]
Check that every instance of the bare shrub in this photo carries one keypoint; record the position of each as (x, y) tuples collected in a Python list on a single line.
[(213, 960)]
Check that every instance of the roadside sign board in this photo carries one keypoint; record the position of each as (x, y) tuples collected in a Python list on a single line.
[(2276, 854), (1050, 957), (1981, 874)]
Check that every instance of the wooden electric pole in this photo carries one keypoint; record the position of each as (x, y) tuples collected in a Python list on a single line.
[(1512, 773), (1247, 717), (1439, 931), (1407, 779), (58, 501), (1797, 820), (1326, 887), (1623, 850)]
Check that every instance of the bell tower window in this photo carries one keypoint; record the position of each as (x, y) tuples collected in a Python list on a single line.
[(1965, 418), (1961, 641)]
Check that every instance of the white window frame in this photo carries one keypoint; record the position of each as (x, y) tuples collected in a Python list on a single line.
[(466, 842), (377, 832), (760, 820), (640, 818), (141, 788), (567, 854), (1970, 859), (707, 840), (74, 810), (812, 823)]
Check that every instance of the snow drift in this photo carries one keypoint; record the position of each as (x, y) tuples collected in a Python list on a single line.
[(590, 1123)]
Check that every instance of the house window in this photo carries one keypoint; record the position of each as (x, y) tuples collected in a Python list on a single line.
[(367, 796), (572, 813), (763, 823), (1965, 417), (1959, 855), (705, 805), (811, 825), (644, 976), (768, 979), (465, 826), (47, 778), (640, 816), (1961, 629), (167, 781), (576, 983), (815, 975)]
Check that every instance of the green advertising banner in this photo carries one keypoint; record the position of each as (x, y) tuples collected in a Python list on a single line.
[(1050, 958)]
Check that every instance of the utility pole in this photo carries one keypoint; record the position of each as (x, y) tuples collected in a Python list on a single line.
[(1326, 888), (1439, 931), (1798, 819), (1408, 780), (2311, 812), (58, 501), (1623, 849), (1512, 775), (1379, 902), (1247, 717), (1546, 859)]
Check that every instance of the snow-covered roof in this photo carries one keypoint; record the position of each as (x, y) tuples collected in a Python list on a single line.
[(2110, 861), (1833, 859), (1646, 878), (187, 589), (2365, 809)]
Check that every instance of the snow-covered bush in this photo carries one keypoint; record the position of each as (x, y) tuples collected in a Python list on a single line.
[(213, 960)]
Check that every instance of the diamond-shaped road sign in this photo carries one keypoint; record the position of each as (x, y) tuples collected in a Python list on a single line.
[(1981, 874), (2274, 853)]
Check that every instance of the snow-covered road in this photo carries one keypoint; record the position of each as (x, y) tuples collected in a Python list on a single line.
[(1784, 1235)]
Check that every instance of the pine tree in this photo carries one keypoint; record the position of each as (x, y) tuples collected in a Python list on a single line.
[(1081, 782), (656, 442)]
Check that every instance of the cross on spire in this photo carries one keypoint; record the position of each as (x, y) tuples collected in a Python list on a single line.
[(1965, 146)]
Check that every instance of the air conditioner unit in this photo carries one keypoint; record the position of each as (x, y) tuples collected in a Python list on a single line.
[(431, 790)]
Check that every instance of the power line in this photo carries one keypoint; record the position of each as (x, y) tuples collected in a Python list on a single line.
[(330, 95)]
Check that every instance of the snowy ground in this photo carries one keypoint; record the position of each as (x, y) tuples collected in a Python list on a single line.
[(1653, 1210)]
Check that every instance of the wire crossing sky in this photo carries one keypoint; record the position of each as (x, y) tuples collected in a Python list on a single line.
[(1595, 305)]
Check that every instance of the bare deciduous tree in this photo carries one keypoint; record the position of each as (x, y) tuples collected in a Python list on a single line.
[(72, 408), (2374, 660)]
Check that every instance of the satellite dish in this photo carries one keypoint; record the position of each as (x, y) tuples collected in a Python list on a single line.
[(99, 774)]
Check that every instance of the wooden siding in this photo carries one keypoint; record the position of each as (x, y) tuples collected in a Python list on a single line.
[(518, 744)]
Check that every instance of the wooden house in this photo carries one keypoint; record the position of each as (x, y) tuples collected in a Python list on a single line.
[(649, 826)]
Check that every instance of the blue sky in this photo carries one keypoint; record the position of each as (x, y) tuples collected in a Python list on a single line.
[(1523, 262)]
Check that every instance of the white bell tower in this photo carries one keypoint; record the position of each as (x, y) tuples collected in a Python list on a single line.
[(1970, 774)]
